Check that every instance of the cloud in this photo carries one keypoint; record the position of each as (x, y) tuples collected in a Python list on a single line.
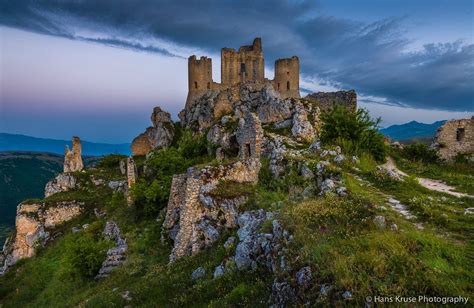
[(372, 57)]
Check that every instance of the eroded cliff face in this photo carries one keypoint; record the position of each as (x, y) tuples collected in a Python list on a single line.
[(158, 136), (32, 226)]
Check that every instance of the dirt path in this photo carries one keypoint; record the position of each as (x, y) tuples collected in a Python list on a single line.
[(434, 185), (440, 186)]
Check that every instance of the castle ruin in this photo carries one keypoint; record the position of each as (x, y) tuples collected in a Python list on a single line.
[(243, 66), (455, 137)]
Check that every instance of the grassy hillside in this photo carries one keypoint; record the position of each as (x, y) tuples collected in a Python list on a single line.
[(23, 175), (336, 236)]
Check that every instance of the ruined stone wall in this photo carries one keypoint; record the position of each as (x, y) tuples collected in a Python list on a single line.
[(287, 77), (454, 137), (193, 218), (244, 65), (327, 100), (73, 158), (131, 178), (249, 136)]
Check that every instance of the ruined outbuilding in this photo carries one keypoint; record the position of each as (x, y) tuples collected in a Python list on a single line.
[(455, 137), (249, 136), (72, 158), (245, 65)]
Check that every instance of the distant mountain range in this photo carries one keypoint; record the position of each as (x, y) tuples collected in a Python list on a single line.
[(14, 142), (412, 130)]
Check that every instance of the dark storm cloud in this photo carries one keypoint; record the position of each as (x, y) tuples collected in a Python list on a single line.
[(372, 57)]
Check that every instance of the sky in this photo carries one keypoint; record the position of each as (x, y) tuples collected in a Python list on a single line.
[(97, 68)]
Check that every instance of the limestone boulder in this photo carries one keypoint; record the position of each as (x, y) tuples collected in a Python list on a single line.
[(302, 129), (158, 136), (62, 182)]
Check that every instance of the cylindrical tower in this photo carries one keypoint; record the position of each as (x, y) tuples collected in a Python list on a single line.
[(199, 74), (199, 77), (287, 77)]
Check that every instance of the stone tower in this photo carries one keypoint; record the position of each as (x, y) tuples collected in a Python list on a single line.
[(243, 65), (73, 158), (287, 77), (199, 76)]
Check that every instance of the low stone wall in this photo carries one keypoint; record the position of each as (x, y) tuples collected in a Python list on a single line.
[(327, 100)]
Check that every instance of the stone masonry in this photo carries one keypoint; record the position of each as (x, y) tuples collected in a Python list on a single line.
[(194, 219), (249, 136), (327, 100), (131, 178), (72, 158), (455, 137), (245, 65)]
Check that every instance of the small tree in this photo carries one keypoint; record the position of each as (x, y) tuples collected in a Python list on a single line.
[(420, 152), (356, 132)]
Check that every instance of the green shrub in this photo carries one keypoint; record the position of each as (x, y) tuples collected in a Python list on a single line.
[(151, 192), (85, 253), (356, 132), (192, 146), (419, 152), (463, 158), (110, 161)]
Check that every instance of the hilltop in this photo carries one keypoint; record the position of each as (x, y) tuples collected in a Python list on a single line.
[(319, 222), (257, 197)]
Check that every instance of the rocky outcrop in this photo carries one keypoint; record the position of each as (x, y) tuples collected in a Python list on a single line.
[(327, 100), (115, 255), (158, 136), (303, 129), (257, 248), (455, 137), (260, 99), (62, 182), (73, 158), (31, 225), (194, 218)]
